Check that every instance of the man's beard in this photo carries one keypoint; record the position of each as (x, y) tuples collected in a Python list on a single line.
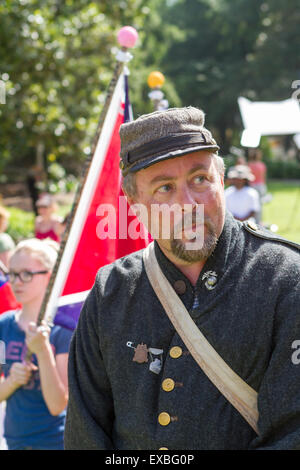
[(179, 249)]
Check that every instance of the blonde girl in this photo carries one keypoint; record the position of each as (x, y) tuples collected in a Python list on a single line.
[(36, 393)]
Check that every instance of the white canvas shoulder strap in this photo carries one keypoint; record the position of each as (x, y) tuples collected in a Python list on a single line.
[(236, 390)]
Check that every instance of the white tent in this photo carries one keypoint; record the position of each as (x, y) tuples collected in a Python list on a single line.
[(268, 118)]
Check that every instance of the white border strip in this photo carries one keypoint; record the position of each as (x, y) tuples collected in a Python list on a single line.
[(73, 298)]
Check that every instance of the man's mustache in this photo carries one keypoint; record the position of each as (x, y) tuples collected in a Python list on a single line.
[(191, 220)]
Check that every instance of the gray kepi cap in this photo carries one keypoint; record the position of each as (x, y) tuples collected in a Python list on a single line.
[(161, 135)]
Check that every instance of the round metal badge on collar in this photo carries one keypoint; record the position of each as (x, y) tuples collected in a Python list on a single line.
[(211, 279)]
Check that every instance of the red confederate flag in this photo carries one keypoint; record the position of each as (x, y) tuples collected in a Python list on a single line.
[(87, 249), (7, 298)]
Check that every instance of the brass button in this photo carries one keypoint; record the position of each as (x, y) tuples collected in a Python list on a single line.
[(168, 385), (164, 418), (175, 352), (163, 448), (179, 287)]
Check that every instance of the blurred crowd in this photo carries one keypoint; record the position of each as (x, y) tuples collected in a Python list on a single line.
[(246, 187)]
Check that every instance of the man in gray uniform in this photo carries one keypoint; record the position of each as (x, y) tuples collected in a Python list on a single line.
[(133, 383)]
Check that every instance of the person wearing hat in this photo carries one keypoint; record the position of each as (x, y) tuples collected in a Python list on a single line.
[(242, 200), (134, 383), (35, 390), (47, 223)]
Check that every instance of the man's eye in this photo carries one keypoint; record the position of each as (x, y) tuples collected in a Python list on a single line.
[(199, 179), (164, 188)]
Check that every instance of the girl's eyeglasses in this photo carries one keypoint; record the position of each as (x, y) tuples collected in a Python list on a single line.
[(24, 276)]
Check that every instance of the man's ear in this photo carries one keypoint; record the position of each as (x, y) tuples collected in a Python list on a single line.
[(130, 200), (222, 179)]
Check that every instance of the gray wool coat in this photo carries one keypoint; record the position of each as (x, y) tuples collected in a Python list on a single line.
[(252, 319)]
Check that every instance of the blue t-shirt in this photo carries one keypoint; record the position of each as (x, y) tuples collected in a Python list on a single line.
[(28, 423)]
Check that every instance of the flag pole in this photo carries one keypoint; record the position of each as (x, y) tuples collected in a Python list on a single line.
[(127, 37)]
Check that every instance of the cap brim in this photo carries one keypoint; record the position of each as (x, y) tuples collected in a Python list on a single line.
[(142, 164), (240, 177)]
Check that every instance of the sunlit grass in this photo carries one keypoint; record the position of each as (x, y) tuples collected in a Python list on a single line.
[(284, 209)]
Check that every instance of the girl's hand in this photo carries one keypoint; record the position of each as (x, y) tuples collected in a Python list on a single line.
[(37, 337), (20, 373)]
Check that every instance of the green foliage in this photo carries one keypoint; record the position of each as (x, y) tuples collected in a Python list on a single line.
[(59, 181), (56, 61), (283, 169), (232, 48), (155, 38), (21, 224), (57, 58)]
